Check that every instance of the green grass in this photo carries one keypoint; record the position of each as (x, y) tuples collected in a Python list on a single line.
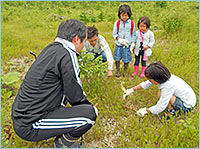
[(32, 25)]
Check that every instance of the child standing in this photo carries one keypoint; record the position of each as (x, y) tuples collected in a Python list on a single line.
[(144, 41), (124, 35), (173, 93)]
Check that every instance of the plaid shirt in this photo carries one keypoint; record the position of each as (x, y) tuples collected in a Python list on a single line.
[(100, 46)]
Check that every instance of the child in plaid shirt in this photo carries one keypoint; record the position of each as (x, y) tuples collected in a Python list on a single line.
[(97, 44)]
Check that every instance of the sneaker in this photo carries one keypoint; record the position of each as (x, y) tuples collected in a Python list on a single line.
[(172, 112), (165, 116), (60, 142)]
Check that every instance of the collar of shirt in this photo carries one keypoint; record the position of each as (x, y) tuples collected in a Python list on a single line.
[(145, 32), (67, 44), (165, 83), (128, 21)]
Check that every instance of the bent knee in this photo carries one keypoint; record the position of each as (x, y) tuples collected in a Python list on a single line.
[(158, 94), (90, 111), (172, 100)]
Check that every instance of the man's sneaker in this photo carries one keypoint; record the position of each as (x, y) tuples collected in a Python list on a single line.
[(63, 142)]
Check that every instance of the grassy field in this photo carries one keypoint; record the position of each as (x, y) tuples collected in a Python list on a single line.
[(32, 25)]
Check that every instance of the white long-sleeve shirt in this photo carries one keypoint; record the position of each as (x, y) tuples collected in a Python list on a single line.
[(100, 46), (175, 86), (148, 38)]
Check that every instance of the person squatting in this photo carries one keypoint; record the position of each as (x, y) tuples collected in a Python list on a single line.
[(53, 80)]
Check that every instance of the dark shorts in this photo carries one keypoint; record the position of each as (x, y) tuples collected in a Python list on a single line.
[(178, 105)]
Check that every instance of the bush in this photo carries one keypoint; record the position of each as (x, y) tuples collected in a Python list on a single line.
[(89, 66), (172, 24), (162, 4), (83, 17)]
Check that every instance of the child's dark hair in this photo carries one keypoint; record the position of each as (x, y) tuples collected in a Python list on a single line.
[(144, 20), (92, 31), (158, 72), (125, 9)]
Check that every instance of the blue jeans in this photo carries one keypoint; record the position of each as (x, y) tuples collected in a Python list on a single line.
[(122, 53), (103, 55), (178, 105)]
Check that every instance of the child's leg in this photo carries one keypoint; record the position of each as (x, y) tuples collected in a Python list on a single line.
[(136, 65), (142, 61), (177, 104), (117, 63), (117, 58), (158, 94), (126, 57), (143, 64), (118, 53), (137, 60), (171, 102), (125, 68)]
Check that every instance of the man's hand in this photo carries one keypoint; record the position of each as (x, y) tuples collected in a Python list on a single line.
[(109, 73), (128, 92), (132, 46), (141, 112), (123, 42)]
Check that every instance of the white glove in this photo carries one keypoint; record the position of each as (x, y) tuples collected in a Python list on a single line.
[(128, 92), (141, 112), (132, 47), (123, 42)]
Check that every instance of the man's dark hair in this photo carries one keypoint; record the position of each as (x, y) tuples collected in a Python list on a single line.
[(70, 28), (125, 9), (144, 20), (92, 31), (158, 72)]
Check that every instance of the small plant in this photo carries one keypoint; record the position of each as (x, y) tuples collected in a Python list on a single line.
[(172, 24), (101, 16), (90, 66), (161, 4), (11, 78), (83, 17)]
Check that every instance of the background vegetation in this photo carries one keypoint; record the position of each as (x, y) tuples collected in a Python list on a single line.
[(33, 25)]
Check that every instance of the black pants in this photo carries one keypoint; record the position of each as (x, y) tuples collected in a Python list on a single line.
[(137, 59), (75, 120)]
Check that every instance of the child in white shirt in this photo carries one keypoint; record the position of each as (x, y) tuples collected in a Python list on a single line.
[(173, 93), (143, 44)]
